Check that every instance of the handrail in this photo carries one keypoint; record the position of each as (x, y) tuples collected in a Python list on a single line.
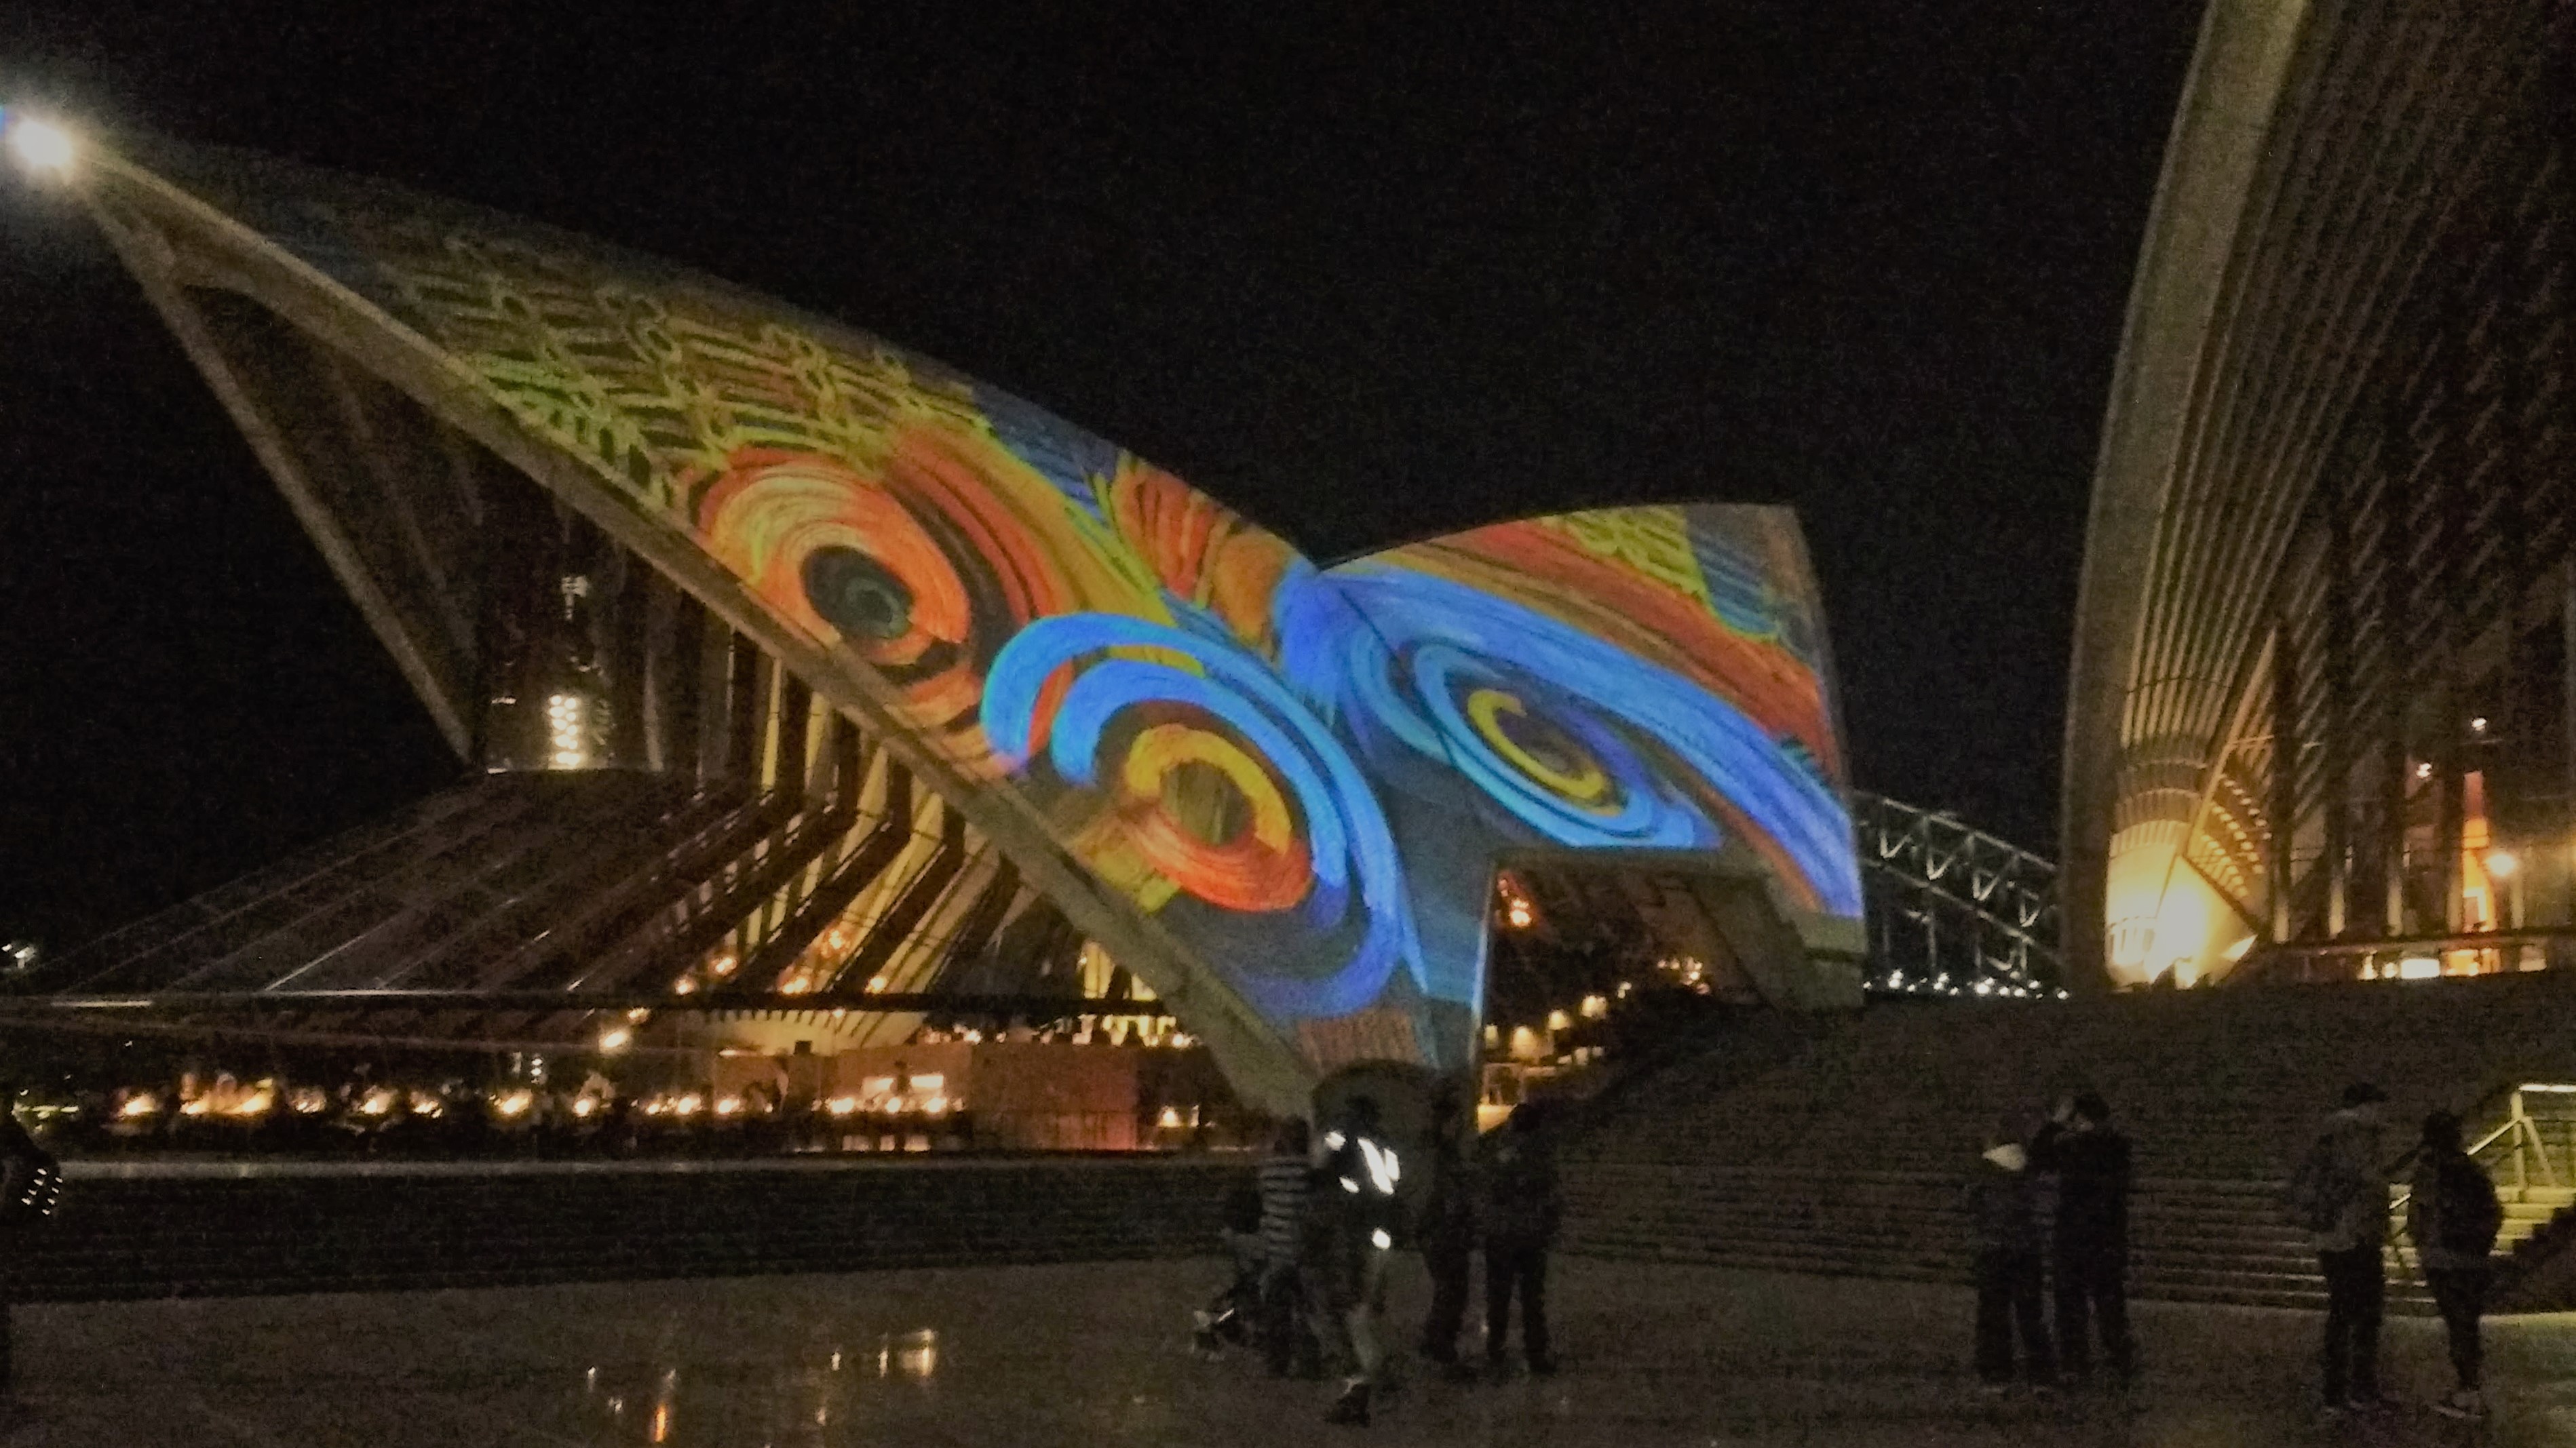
[(2518, 1124)]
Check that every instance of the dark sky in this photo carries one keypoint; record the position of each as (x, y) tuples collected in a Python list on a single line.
[(1366, 281)]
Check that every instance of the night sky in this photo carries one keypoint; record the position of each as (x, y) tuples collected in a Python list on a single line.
[(1365, 281)]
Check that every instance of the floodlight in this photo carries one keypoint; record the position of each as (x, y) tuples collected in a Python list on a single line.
[(42, 144)]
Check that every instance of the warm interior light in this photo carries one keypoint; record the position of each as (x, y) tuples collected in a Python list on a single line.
[(43, 145), (568, 730), (2419, 967)]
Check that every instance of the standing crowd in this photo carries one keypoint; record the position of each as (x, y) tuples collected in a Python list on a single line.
[(1311, 1255), (2338, 1196)]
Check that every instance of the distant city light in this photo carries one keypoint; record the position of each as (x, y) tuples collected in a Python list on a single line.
[(42, 144), (616, 1038)]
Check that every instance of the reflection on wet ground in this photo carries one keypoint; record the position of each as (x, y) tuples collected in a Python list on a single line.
[(806, 1392), (1099, 1354)]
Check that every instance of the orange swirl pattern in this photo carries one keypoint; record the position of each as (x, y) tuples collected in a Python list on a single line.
[(1204, 552), (924, 568)]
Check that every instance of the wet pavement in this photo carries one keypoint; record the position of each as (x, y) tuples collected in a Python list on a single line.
[(1099, 1354)]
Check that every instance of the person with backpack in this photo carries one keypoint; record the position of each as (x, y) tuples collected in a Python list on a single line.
[(2002, 1203), (2453, 1217), (2090, 1160), (2339, 1196)]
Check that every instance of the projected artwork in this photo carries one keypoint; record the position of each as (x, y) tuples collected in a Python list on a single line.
[(1301, 774)]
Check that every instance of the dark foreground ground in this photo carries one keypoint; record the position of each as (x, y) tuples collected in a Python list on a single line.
[(1097, 1354)]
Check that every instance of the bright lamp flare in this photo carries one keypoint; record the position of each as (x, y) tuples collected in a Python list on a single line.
[(43, 145), (2501, 864)]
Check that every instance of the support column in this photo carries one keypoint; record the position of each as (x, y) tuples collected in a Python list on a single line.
[(664, 677), (2451, 566), (2334, 767), (715, 695), (2283, 802)]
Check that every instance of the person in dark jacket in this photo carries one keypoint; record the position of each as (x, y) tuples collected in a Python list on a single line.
[(2004, 1229), (1352, 1222), (2453, 1217), (2090, 1246), (2339, 1195), (22, 1164), (1448, 1235), (1518, 1216)]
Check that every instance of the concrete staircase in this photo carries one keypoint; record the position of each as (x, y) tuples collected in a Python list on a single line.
[(1849, 1158)]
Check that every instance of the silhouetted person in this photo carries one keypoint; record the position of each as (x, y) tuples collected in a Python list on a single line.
[(1518, 1217), (23, 1165), (1448, 1235), (1287, 1339), (2453, 1217), (2339, 1196), (2091, 1243), (1355, 1185), (2003, 1222)]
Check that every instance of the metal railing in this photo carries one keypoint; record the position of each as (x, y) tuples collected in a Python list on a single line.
[(2517, 1145)]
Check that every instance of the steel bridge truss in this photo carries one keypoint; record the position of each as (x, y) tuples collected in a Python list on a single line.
[(1952, 910)]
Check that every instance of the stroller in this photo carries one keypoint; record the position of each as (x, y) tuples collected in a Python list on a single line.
[(1234, 1314)]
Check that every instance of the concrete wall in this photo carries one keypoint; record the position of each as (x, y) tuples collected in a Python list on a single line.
[(214, 1229)]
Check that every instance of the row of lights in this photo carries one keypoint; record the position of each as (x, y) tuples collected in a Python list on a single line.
[(2004, 987), (568, 730)]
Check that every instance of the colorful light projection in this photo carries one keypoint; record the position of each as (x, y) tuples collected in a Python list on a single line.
[(1303, 773)]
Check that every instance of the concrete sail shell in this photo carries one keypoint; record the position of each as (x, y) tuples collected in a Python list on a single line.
[(2362, 207), (1273, 789)]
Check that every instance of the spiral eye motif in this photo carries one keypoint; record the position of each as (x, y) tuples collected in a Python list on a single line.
[(1225, 784), (1563, 740), (924, 568), (856, 594)]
